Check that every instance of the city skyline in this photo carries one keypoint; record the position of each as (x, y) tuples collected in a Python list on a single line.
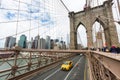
[(36, 42), (46, 19), (43, 21)]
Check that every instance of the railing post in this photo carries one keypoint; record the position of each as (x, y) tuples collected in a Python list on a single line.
[(39, 59), (29, 63), (15, 66)]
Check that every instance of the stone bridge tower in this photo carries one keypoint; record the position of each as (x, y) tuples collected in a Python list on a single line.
[(102, 14)]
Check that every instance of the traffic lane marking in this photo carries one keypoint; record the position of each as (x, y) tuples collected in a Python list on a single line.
[(52, 74), (72, 69), (56, 71), (85, 72)]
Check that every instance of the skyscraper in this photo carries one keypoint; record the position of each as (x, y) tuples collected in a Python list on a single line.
[(22, 41), (42, 43), (68, 40), (37, 42), (7, 42), (10, 42), (47, 42), (51, 44)]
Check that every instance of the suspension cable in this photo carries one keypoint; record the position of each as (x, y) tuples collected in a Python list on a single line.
[(96, 35), (118, 4), (80, 38), (17, 24), (29, 20), (30, 24), (99, 17), (65, 6)]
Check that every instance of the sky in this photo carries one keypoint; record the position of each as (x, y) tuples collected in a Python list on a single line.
[(33, 17), (77, 5), (50, 19)]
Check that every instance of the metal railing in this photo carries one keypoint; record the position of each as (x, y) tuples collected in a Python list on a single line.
[(16, 62), (101, 65)]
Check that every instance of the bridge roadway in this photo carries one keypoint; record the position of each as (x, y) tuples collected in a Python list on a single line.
[(78, 72)]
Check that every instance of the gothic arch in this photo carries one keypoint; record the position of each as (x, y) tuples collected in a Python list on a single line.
[(87, 18), (79, 25)]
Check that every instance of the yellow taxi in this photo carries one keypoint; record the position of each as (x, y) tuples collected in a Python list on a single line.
[(67, 65)]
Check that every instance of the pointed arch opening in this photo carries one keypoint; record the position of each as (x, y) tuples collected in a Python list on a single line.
[(99, 40), (81, 37)]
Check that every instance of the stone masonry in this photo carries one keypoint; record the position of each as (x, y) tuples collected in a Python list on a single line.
[(102, 14)]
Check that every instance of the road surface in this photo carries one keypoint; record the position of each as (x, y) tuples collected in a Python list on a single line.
[(78, 72)]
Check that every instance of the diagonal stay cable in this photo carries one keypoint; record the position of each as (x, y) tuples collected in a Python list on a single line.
[(65, 6)]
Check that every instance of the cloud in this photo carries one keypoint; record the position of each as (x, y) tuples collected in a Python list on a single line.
[(10, 15), (33, 12), (46, 18), (33, 9)]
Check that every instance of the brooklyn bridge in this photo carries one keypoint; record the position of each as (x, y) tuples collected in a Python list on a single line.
[(38, 37)]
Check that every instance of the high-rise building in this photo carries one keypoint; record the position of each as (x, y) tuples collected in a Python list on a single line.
[(56, 40), (7, 42), (56, 44), (37, 42), (47, 42), (10, 42), (52, 44), (29, 45), (33, 44), (68, 41), (22, 41), (42, 43)]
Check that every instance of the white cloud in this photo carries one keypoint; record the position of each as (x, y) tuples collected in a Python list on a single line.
[(51, 17)]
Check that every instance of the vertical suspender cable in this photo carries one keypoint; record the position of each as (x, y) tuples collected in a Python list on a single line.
[(30, 21), (101, 31), (39, 18), (80, 38), (17, 24), (96, 36), (38, 44)]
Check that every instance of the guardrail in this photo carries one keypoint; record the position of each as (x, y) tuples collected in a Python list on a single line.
[(101, 66), (104, 66), (17, 62)]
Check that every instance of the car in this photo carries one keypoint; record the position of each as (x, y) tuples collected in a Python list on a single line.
[(67, 65)]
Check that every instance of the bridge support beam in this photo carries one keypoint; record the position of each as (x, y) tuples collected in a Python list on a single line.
[(111, 28), (103, 14), (73, 33), (89, 39)]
